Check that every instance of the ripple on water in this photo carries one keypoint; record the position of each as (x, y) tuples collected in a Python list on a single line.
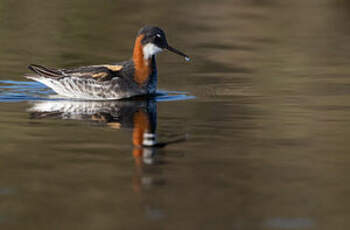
[(17, 91)]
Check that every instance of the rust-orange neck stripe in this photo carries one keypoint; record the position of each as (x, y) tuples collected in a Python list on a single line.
[(143, 68)]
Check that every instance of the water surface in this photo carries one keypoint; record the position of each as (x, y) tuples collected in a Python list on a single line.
[(257, 134)]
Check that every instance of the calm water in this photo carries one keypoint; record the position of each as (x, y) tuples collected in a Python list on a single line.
[(258, 134)]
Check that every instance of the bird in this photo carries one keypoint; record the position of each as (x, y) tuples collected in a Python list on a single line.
[(135, 77)]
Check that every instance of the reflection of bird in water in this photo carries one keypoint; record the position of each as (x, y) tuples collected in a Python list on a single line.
[(140, 115), (116, 114)]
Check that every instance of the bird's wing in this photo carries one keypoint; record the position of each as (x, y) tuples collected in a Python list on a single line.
[(97, 72)]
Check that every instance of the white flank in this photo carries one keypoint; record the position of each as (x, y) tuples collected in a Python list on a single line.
[(150, 49), (79, 88)]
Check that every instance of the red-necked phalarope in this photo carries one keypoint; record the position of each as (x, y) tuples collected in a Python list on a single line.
[(135, 77)]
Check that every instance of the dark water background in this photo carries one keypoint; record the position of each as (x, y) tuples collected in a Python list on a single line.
[(267, 132)]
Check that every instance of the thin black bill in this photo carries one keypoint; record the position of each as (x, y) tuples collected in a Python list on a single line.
[(187, 58)]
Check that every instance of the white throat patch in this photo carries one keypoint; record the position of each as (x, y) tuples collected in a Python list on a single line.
[(149, 50)]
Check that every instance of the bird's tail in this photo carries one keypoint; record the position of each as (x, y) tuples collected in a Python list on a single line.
[(45, 72)]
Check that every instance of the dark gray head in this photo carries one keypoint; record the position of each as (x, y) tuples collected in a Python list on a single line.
[(154, 41), (153, 34)]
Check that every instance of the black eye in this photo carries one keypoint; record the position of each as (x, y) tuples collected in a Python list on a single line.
[(157, 39)]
